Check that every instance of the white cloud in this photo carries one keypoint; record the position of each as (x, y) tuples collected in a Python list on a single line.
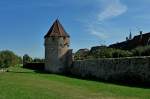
[(112, 8), (99, 34)]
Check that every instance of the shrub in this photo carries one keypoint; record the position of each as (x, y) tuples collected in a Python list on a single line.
[(101, 52), (121, 53), (105, 52), (38, 60), (141, 51), (81, 54)]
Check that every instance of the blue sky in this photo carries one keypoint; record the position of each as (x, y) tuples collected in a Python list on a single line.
[(23, 23)]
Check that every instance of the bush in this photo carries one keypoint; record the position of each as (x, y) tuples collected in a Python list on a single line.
[(102, 52), (141, 51), (116, 53), (38, 60), (105, 52), (81, 54), (9, 58)]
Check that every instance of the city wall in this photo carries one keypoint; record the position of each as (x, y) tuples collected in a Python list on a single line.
[(135, 69)]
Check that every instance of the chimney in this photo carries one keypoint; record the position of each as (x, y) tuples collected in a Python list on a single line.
[(130, 36), (141, 32), (127, 39)]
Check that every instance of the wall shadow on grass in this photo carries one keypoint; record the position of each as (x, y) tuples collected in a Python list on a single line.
[(128, 83), (121, 81)]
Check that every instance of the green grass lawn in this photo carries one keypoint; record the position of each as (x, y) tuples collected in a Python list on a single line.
[(22, 83)]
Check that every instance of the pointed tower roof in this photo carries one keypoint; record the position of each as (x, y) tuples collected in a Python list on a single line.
[(56, 30)]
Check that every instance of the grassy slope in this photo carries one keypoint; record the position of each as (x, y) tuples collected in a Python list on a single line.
[(25, 84)]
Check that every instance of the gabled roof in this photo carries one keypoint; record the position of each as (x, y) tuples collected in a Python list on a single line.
[(56, 30)]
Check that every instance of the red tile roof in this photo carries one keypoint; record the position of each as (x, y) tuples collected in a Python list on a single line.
[(56, 30)]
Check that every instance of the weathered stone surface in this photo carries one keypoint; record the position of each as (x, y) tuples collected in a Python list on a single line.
[(56, 54), (133, 69)]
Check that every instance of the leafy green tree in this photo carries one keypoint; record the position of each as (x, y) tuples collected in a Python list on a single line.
[(26, 59), (38, 60), (9, 58)]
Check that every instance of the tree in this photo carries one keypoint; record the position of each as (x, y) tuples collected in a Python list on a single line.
[(9, 58), (26, 59), (81, 54), (38, 60)]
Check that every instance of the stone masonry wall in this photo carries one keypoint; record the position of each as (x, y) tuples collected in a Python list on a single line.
[(135, 69)]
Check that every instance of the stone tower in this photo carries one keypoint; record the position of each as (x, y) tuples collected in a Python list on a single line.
[(57, 53)]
